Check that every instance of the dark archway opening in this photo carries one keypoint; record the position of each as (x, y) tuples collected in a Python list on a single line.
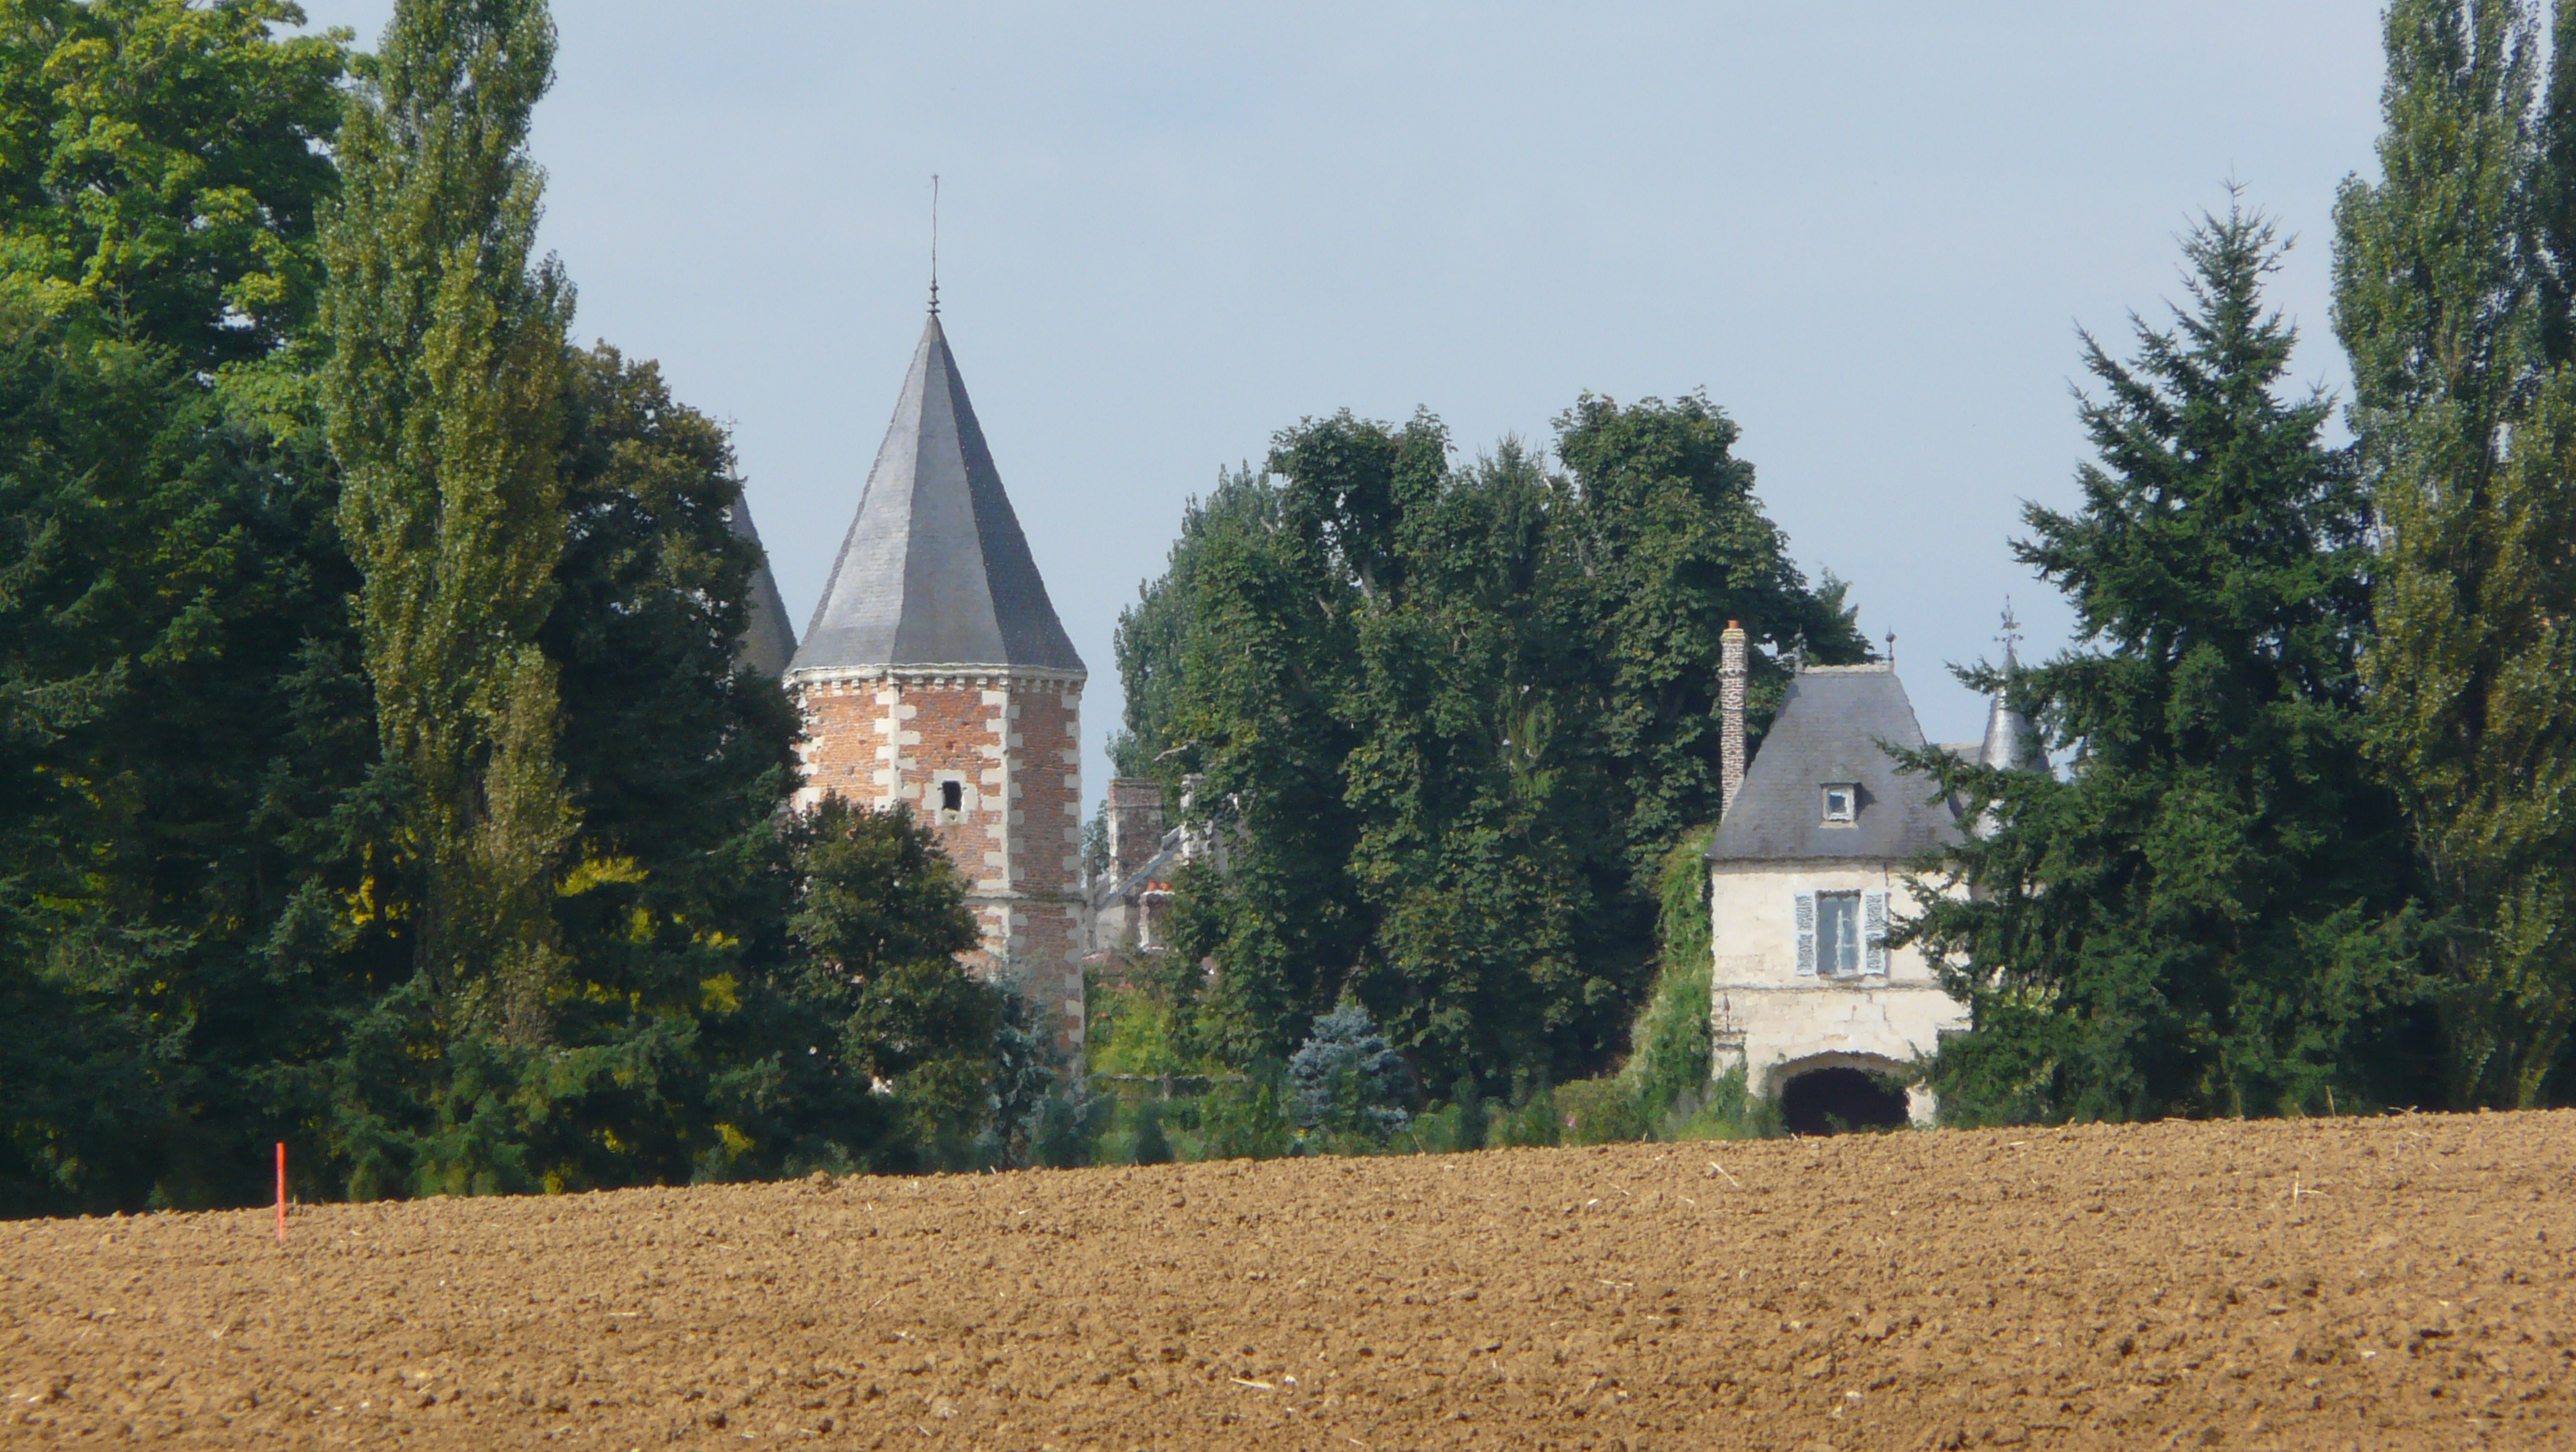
[(1830, 1101)]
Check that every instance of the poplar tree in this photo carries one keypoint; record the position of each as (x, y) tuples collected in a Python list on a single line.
[(443, 397), (2450, 298)]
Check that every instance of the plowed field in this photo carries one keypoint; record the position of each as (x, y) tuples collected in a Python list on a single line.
[(2403, 1282)]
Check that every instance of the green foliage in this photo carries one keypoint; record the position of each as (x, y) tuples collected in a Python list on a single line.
[(1668, 1055), (1529, 1120), (1468, 1113), (1600, 1111), (2452, 296), (444, 392), (1729, 1112), (1070, 1121), (1143, 1030), (1150, 1146), (1027, 1117), (182, 734), (161, 169), (1248, 1118), (1664, 1091), (668, 751), (1452, 718), (1346, 1080), (2211, 913), (690, 1037), (879, 918), (225, 875)]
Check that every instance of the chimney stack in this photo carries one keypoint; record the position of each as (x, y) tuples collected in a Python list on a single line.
[(1730, 714), (1135, 824)]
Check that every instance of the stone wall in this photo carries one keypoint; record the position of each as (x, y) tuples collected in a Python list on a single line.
[(1777, 1023), (1005, 748)]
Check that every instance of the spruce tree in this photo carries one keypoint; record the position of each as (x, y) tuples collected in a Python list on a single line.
[(2210, 914), (2451, 297), (443, 394)]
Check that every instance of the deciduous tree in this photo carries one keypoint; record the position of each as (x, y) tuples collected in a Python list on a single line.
[(1457, 715), (2451, 297), (180, 739), (444, 394)]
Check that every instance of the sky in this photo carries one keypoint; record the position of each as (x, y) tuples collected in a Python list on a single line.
[(1870, 232)]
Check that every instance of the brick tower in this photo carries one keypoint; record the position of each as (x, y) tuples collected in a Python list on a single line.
[(936, 674)]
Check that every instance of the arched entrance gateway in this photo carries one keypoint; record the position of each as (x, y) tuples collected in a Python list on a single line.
[(1838, 1100), (1838, 1093)]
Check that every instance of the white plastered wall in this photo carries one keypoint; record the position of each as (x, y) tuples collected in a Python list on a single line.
[(1777, 1023)]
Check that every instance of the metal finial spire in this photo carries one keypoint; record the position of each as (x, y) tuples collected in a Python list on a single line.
[(934, 244), (1891, 647), (2010, 635)]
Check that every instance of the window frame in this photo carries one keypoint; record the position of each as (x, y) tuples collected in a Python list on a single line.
[(1870, 922), (1843, 906), (1850, 814)]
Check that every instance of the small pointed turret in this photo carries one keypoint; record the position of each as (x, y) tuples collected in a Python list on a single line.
[(2011, 741), (768, 637), (934, 571)]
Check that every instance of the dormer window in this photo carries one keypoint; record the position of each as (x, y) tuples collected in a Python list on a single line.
[(1842, 803)]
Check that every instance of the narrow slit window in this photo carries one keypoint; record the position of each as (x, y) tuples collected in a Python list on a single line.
[(952, 796), (1842, 801)]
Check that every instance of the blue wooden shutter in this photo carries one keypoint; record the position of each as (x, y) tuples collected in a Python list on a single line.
[(1807, 933), (1873, 932)]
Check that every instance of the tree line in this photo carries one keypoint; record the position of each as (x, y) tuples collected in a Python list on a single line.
[(375, 771), (2311, 846)]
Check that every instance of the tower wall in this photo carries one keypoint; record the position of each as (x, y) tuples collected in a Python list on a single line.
[(1010, 740)]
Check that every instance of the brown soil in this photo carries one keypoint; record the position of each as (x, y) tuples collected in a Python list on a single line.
[(2392, 1283)]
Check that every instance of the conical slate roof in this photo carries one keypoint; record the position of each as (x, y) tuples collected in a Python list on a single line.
[(768, 637), (935, 571), (2010, 741), (1828, 732)]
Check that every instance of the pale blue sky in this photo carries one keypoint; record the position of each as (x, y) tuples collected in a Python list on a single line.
[(1868, 230)]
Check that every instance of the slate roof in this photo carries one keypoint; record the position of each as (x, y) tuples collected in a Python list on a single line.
[(934, 571), (1157, 868), (2010, 740), (1827, 731), (768, 637)]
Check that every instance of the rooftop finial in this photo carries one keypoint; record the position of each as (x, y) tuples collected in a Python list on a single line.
[(2010, 635), (934, 244), (1891, 647)]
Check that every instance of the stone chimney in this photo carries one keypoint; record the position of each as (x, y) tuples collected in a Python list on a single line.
[(1135, 824), (1730, 714)]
